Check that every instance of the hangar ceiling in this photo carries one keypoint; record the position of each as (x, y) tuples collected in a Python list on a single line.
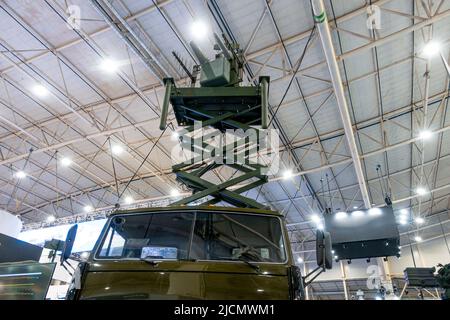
[(74, 135)]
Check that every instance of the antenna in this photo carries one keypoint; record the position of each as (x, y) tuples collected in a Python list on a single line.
[(184, 67), (198, 53), (222, 46)]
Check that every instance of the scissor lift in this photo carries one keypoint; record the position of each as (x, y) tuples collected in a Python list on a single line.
[(221, 104)]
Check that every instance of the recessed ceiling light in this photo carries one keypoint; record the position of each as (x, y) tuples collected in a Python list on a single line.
[(40, 90), (65, 162), (199, 30), (175, 136), (117, 149), (375, 211), (315, 218), (355, 207), (20, 174), (358, 213), (51, 219), (174, 193), (431, 49), (88, 208), (299, 259), (109, 65), (341, 215), (419, 220), (421, 191), (425, 134), (129, 200), (287, 174), (418, 239)]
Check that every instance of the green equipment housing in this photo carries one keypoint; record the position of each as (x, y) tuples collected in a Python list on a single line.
[(219, 92)]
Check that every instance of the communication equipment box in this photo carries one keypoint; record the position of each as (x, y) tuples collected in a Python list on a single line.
[(364, 233)]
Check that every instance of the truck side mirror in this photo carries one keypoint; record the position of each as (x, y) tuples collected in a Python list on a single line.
[(324, 255), (68, 245)]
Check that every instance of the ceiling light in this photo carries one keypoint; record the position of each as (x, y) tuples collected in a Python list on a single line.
[(336, 257), (175, 136), (20, 174), (174, 193), (299, 259), (199, 30), (341, 215), (315, 218), (88, 208), (375, 211), (40, 90), (431, 49), (404, 211), (421, 191), (419, 220), (425, 134), (418, 239), (109, 65), (129, 200), (358, 213), (355, 207), (403, 221), (65, 162), (320, 226), (51, 219), (378, 298), (287, 174), (117, 149)]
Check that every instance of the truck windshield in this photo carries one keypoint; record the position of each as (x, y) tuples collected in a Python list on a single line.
[(198, 236)]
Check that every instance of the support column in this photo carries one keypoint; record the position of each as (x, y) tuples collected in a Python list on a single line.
[(344, 280)]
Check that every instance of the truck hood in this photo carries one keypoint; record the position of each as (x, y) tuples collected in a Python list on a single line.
[(184, 280)]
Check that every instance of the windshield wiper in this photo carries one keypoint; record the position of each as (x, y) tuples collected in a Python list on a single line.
[(150, 261), (154, 262), (252, 265), (188, 260)]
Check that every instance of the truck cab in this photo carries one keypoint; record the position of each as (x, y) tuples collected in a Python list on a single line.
[(190, 253)]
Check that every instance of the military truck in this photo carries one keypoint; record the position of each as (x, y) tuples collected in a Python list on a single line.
[(190, 252)]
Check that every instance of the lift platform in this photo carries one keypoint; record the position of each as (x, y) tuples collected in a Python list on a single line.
[(218, 105)]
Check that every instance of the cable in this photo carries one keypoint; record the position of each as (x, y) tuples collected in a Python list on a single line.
[(174, 31), (143, 161), (114, 168), (294, 74)]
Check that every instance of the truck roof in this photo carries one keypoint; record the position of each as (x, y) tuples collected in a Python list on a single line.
[(198, 208)]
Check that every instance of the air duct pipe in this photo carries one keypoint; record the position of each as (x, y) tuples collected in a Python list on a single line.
[(320, 19)]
